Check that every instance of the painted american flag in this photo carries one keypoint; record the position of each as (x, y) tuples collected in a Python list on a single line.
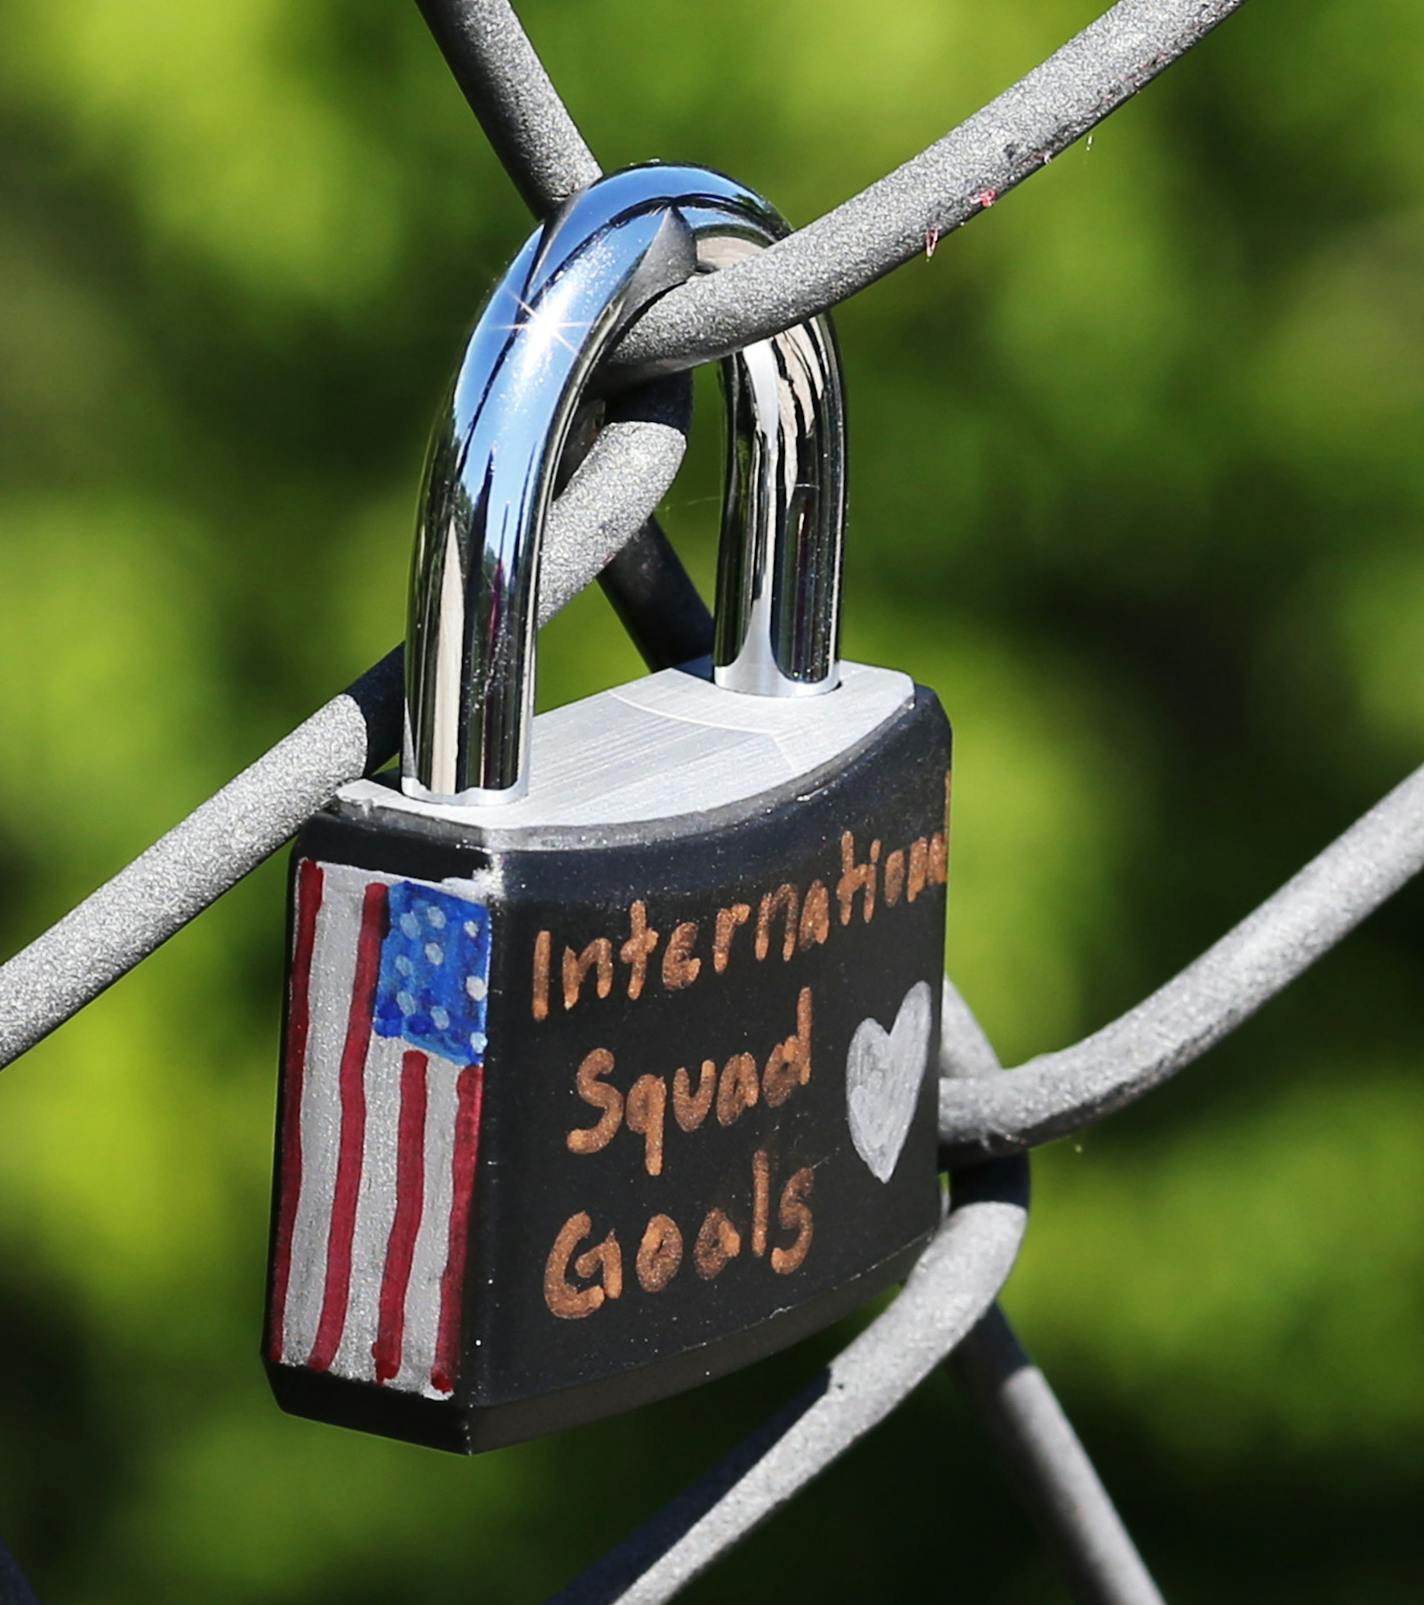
[(383, 1080)]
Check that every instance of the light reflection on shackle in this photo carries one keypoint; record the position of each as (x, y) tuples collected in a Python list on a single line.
[(566, 299)]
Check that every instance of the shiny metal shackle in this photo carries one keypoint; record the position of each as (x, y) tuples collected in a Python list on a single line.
[(565, 300), (778, 612)]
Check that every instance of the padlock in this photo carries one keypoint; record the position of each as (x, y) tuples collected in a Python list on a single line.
[(608, 1066)]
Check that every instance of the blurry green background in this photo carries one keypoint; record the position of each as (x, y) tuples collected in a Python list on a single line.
[(1135, 484)]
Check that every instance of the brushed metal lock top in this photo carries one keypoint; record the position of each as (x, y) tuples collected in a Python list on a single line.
[(654, 753)]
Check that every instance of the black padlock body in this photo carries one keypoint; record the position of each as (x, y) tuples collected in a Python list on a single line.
[(786, 929)]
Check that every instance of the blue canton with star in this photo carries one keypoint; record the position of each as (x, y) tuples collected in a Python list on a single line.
[(434, 972)]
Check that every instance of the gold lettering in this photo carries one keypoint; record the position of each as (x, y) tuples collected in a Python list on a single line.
[(589, 1139), (794, 1213), (894, 877), (856, 878), (728, 919), (919, 868), (679, 968), (634, 952), (543, 944), (806, 922), (659, 1254), (690, 1109), (605, 1259), (737, 1089), (815, 916), (789, 1066), (761, 1200), (717, 1242), (577, 965), (784, 897), (647, 1115), (565, 1300)]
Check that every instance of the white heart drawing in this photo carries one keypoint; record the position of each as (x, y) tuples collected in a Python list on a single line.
[(884, 1073)]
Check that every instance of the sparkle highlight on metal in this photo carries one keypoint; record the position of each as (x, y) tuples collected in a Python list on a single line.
[(563, 302)]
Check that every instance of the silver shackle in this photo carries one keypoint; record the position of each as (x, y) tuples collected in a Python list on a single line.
[(565, 300)]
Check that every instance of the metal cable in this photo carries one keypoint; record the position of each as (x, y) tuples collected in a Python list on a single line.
[(1056, 1479), (959, 1274), (955, 179), (952, 1284), (547, 159), (656, 601), (1016, 1407), (523, 116), (355, 733), (863, 239), (1059, 1092)]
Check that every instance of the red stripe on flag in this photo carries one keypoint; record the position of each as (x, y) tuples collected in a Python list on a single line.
[(410, 1201), (336, 1295), (289, 1168), (470, 1091)]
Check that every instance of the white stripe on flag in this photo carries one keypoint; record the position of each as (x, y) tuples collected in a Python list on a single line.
[(422, 1301), (375, 1208), (333, 977)]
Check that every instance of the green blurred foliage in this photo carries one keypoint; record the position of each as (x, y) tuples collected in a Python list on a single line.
[(1136, 486)]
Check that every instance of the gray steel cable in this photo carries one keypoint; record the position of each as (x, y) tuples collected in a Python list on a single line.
[(867, 236), (886, 225), (1059, 1092), (1018, 1411), (523, 117), (948, 1291), (355, 733), (1056, 1479), (943, 1303), (531, 131)]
